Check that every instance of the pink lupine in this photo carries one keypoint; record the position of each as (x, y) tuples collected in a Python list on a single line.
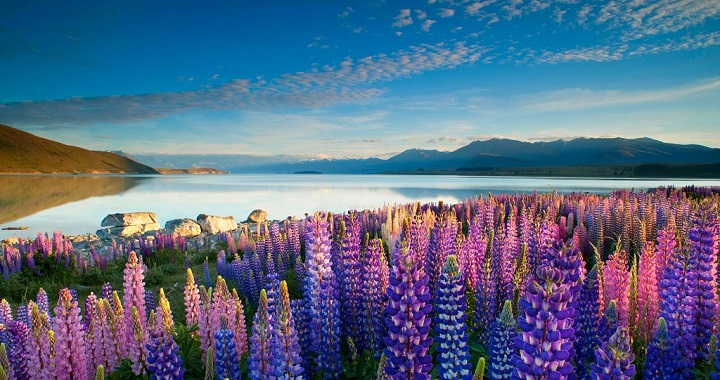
[(115, 347), (134, 293), (40, 362), (239, 328), (648, 305), (91, 327), (104, 348), (137, 352), (192, 299), (665, 247), (205, 319), (70, 358), (616, 285)]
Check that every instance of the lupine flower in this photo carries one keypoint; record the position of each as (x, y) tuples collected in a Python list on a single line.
[(70, 358), (442, 244), (614, 359), (205, 319), (209, 365), (163, 360), (479, 370), (502, 345), (648, 305), (99, 373), (408, 325), (5, 368), (226, 359), (42, 301), (106, 291), (137, 351), (704, 246), (134, 294), (375, 275), (40, 363), (349, 276), (149, 302), (16, 341), (658, 361), (616, 285), (261, 353), (452, 336), (238, 325), (545, 333), (287, 362), (587, 324), (192, 299), (486, 296)]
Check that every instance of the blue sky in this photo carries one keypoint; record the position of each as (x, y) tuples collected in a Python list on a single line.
[(357, 78)]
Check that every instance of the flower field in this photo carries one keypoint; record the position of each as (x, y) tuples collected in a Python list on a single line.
[(538, 286)]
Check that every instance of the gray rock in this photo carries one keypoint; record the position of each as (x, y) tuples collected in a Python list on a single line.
[(257, 216), (183, 227), (11, 241), (213, 224), (127, 231), (129, 219)]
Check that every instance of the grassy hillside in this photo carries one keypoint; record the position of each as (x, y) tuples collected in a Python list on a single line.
[(22, 152)]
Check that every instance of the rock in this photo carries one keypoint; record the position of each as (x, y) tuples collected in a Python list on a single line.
[(15, 228), (126, 231), (257, 216), (183, 227), (11, 241), (215, 224), (129, 219)]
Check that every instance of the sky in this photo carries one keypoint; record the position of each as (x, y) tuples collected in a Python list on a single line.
[(357, 78)]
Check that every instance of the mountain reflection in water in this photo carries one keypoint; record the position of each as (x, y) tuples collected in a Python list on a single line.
[(21, 196)]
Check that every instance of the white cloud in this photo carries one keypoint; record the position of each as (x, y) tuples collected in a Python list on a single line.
[(427, 24), (582, 15), (474, 8), (421, 15), (578, 98), (447, 12), (403, 19)]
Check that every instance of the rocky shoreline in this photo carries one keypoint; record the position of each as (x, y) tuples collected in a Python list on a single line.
[(203, 232)]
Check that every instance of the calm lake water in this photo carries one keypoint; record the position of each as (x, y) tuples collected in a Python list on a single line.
[(77, 204)]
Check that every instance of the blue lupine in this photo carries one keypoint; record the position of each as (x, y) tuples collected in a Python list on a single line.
[(614, 359), (716, 373), (658, 362), (287, 362), (164, 362), (502, 345), (17, 336), (587, 324), (42, 301), (452, 335), (407, 319), (320, 291), (149, 302), (206, 274), (545, 333), (261, 355), (226, 359)]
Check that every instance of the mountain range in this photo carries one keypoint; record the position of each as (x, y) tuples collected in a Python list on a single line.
[(476, 156)]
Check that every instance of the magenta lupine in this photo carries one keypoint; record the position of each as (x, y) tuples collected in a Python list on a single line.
[(260, 362), (223, 307), (192, 299), (614, 359), (475, 247), (91, 326), (616, 285), (205, 319), (287, 363), (133, 293), (70, 359), (408, 322), (648, 305), (238, 325), (104, 352), (545, 325), (41, 364)]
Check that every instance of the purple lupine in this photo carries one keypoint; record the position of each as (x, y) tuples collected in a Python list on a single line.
[(375, 276), (349, 276), (408, 343), (678, 303), (442, 244), (287, 362), (614, 359), (260, 363), (587, 324), (545, 333), (149, 302), (15, 340), (658, 361), (42, 301), (70, 358), (104, 352), (452, 335), (106, 291), (704, 247), (502, 345), (647, 309), (226, 358), (133, 293), (320, 291), (206, 274), (486, 296), (40, 362), (205, 328)]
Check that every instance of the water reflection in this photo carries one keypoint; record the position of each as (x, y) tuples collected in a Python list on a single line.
[(21, 196)]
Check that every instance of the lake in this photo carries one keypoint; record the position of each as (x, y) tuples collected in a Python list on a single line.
[(77, 204)]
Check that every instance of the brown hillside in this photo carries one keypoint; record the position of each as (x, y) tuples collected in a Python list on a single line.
[(22, 152)]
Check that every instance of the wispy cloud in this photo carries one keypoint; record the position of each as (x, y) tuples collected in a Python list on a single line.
[(403, 19), (351, 80), (577, 98), (447, 12), (427, 24)]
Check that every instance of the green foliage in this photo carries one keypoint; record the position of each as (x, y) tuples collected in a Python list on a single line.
[(190, 352), (364, 367), (124, 372)]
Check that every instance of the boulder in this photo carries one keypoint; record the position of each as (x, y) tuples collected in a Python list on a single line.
[(257, 216), (127, 231), (129, 219), (183, 227), (215, 224)]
